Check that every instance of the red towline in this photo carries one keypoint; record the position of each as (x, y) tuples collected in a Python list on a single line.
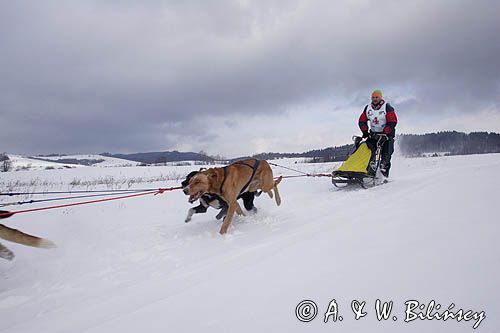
[(5, 214), (155, 192)]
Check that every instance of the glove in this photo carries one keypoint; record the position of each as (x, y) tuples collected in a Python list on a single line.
[(357, 141), (387, 129), (365, 135)]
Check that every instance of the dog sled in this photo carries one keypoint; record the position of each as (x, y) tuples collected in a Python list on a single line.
[(362, 167)]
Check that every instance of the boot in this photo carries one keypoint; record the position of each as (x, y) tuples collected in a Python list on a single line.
[(384, 169)]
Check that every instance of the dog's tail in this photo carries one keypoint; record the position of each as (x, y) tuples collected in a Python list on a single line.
[(20, 237), (276, 192)]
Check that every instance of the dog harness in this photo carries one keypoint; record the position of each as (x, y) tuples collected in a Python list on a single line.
[(254, 170)]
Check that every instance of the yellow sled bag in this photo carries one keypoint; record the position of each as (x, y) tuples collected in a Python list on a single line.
[(358, 161)]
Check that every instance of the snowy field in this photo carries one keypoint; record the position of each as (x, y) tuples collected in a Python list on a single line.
[(135, 266), (22, 163), (100, 160)]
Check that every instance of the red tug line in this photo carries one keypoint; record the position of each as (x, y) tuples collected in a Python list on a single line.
[(155, 192), (5, 214)]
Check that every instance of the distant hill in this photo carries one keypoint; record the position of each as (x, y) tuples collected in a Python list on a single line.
[(161, 157), (22, 163), (87, 160), (410, 145), (450, 143)]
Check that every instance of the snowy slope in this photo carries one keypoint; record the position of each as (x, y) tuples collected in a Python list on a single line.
[(103, 161), (25, 163), (134, 265)]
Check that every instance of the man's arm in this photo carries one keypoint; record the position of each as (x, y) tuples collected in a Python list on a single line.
[(392, 120), (363, 122)]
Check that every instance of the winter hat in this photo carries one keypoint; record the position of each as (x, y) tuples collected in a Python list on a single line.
[(377, 92)]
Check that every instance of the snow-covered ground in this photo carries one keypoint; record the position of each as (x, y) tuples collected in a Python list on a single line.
[(134, 265)]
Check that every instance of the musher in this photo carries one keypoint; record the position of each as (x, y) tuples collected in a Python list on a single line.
[(382, 120)]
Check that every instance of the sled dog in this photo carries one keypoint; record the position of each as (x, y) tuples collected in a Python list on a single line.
[(232, 180)]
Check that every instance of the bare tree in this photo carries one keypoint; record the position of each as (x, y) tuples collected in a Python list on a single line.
[(6, 163), (203, 155)]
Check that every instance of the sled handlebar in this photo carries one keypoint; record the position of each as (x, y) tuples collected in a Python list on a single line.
[(379, 137), (372, 135)]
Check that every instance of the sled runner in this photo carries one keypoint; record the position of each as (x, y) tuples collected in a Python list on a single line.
[(363, 165)]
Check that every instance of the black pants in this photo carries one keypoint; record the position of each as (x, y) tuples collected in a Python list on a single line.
[(386, 152)]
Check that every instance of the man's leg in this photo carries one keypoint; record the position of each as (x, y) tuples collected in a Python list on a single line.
[(372, 145), (387, 151)]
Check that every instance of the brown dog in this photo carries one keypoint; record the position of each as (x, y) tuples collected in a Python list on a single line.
[(243, 176), (20, 237)]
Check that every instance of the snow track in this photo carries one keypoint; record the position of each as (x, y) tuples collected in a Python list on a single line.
[(429, 234)]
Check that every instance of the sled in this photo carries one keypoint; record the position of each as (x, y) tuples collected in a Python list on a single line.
[(362, 167)]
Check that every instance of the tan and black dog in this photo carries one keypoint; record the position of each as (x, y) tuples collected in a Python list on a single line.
[(230, 181), (20, 237)]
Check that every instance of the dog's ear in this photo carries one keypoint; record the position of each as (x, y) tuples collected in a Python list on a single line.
[(191, 174), (212, 174), (185, 182)]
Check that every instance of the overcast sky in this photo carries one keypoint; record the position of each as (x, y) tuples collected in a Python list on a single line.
[(239, 77)]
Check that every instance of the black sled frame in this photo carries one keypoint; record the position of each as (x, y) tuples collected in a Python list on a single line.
[(374, 177)]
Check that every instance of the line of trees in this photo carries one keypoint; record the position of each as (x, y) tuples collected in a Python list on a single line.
[(450, 143), (411, 145)]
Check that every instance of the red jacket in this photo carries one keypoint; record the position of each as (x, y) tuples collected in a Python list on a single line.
[(391, 119)]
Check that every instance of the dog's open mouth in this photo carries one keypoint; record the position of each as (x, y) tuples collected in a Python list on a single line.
[(194, 197)]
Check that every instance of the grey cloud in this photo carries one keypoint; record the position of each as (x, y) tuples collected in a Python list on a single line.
[(115, 75)]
